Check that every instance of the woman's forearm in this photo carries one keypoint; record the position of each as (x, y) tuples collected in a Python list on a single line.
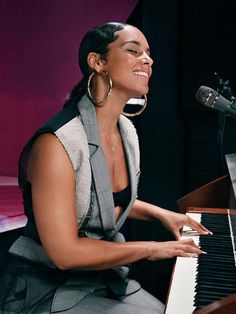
[(91, 254), (146, 211), (87, 253)]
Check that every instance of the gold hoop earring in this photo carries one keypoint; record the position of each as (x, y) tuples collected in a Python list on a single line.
[(89, 86), (137, 101)]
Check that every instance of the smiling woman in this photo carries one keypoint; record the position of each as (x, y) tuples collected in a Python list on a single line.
[(79, 175), (130, 63)]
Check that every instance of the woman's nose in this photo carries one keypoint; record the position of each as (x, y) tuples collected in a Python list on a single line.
[(147, 60)]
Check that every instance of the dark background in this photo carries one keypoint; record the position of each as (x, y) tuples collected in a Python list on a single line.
[(182, 142)]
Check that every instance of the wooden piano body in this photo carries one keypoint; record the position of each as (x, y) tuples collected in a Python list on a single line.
[(214, 197)]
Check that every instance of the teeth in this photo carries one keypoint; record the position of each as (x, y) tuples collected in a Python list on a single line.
[(141, 73)]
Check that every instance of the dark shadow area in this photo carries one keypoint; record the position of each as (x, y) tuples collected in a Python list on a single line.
[(182, 142)]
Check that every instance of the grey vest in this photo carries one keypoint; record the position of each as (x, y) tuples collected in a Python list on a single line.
[(94, 206), (94, 199)]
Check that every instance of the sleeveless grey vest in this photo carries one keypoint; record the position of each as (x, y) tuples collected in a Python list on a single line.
[(94, 199), (79, 136)]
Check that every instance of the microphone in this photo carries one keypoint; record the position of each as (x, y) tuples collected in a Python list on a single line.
[(211, 98)]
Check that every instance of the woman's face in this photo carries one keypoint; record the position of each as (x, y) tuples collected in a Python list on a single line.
[(129, 63)]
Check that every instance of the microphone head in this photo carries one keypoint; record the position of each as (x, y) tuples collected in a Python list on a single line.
[(207, 96), (211, 98)]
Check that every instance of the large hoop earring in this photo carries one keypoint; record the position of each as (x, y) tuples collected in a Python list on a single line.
[(109, 87), (137, 101)]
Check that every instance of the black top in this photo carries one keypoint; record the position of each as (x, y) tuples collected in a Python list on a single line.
[(122, 198)]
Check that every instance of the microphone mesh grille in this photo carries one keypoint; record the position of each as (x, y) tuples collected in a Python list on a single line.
[(206, 96)]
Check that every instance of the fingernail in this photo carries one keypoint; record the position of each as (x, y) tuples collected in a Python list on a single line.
[(203, 252), (195, 255), (208, 232)]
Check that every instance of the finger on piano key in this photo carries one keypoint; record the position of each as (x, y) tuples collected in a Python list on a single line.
[(195, 225), (194, 255), (190, 232)]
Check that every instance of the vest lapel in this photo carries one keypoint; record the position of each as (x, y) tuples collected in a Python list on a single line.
[(129, 151), (98, 164)]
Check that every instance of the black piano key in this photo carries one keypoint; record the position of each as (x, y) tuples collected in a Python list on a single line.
[(220, 241), (221, 277), (217, 246), (216, 278), (217, 241), (216, 271), (217, 260), (211, 293), (216, 286), (220, 272), (229, 259)]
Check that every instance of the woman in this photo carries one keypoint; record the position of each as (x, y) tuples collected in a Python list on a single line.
[(79, 175)]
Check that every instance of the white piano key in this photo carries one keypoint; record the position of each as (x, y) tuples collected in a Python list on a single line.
[(195, 216), (181, 294)]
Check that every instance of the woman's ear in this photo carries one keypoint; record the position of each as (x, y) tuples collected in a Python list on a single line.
[(94, 61)]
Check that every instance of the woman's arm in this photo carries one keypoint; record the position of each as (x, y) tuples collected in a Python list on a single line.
[(171, 220), (54, 204)]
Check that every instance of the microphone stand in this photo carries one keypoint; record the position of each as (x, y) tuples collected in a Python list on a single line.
[(225, 90)]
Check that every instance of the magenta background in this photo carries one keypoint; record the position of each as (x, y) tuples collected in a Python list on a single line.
[(38, 62)]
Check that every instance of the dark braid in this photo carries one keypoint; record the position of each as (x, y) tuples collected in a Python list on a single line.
[(95, 40)]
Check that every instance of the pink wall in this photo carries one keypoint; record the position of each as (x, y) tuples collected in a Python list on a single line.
[(38, 62)]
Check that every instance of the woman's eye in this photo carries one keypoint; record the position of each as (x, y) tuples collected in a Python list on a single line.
[(132, 51)]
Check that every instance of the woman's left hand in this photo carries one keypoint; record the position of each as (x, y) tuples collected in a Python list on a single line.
[(174, 222)]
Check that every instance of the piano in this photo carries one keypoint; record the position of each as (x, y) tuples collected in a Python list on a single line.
[(207, 284)]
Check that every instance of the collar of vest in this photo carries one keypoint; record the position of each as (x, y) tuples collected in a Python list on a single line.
[(99, 166)]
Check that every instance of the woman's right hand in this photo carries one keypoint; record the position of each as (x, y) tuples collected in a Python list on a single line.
[(169, 249)]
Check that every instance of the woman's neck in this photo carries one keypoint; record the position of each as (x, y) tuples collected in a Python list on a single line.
[(108, 115)]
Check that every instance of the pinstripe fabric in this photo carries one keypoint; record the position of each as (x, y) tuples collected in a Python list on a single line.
[(37, 285)]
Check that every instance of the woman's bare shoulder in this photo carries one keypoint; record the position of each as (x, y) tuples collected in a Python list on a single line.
[(46, 155)]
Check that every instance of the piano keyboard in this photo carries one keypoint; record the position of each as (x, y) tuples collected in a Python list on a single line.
[(200, 281)]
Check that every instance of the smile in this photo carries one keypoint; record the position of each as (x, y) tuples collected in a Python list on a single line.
[(141, 73)]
